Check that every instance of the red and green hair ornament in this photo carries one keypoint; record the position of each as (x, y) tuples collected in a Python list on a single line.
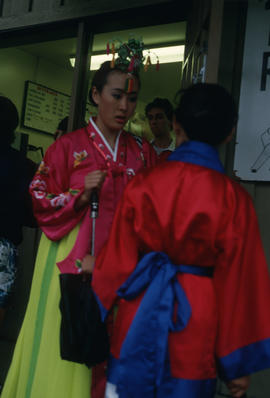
[(129, 83), (130, 58)]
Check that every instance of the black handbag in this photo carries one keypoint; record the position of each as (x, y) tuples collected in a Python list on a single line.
[(83, 335)]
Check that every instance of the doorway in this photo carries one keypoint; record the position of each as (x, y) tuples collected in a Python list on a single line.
[(30, 64)]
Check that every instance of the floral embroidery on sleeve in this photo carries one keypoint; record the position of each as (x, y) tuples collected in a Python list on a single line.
[(59, 200), (39, 188), (79, 157), (73, 192), (78, 264), (43, 169)]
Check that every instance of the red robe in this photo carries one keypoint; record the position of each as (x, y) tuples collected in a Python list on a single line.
[(197, 216)]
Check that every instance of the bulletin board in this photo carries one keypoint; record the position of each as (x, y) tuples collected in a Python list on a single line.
[(43, 107)]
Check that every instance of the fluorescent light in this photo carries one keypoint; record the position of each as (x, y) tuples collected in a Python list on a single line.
[(165, 55), (95, 61)]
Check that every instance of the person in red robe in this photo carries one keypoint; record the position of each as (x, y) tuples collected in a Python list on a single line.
[(184, 262), (101, 156)]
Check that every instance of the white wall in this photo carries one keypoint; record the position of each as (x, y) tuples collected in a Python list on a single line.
[(17, 66)]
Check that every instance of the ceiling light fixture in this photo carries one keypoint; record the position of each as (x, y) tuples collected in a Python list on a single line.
[(165, 55)]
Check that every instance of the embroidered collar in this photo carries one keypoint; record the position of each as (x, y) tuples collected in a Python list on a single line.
[(113, 152), (199, 153)]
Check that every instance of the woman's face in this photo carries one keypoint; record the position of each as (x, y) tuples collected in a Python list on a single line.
[(115, 105)]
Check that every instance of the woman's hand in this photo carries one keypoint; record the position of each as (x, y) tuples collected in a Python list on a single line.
[(92, 180), (88, 263), (238, 387)]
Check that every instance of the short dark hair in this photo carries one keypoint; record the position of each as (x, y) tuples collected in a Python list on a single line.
[(162, 103), (100, 78), (9, 120), (206, 112)]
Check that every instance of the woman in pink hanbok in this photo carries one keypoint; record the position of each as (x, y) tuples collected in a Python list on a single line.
[(99, 156)]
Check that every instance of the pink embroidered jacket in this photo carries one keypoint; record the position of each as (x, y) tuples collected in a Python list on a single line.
[(60, 179)]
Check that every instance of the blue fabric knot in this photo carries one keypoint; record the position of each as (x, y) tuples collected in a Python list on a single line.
[(144, 352)]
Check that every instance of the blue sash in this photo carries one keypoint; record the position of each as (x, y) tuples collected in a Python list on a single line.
[(144, 353)]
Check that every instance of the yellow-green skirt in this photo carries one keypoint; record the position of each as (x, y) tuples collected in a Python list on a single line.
[(37, 371)]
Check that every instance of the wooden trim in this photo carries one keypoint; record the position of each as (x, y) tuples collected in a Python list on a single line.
[(1, 7), (230, 61), (80, 77), (214, 41)]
